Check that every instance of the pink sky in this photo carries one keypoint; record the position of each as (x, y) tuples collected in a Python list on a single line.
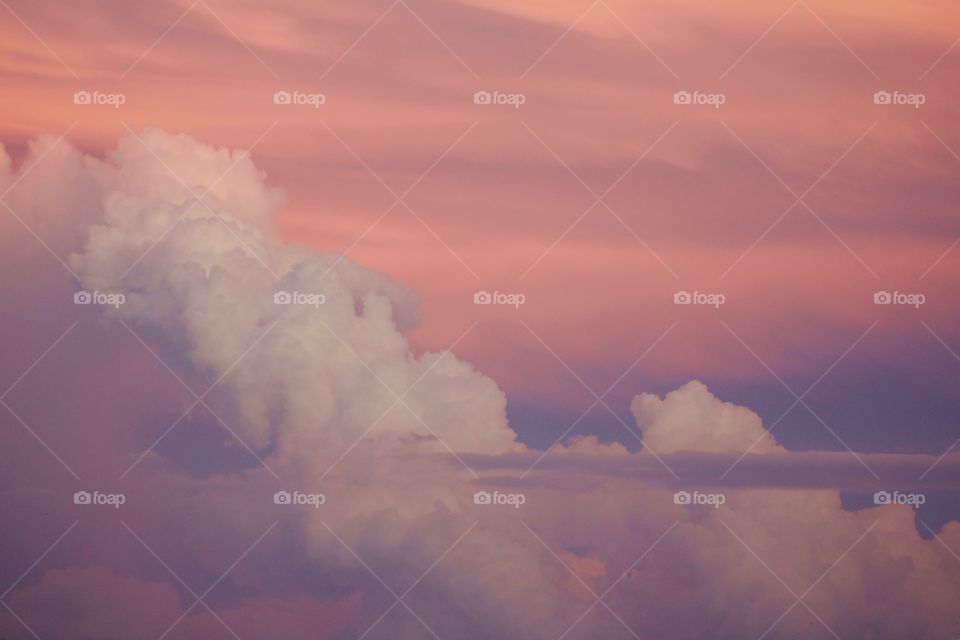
[(598, 199), (800, 98)]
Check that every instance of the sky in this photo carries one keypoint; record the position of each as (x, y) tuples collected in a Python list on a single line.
[(465, 319)]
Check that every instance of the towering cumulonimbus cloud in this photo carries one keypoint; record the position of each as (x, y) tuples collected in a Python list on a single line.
[(185, 232), (328, 367), (188, 239)]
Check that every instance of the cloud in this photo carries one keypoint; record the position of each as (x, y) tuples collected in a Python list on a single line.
[(94, 602), (302, 383), (188, 239), (693, 419)]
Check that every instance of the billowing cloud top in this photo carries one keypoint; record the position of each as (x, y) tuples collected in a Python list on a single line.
[(693, 419), (188, 239)]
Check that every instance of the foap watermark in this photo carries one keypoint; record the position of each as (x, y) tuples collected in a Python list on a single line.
[(108, 499), (299, 498), (912, 499), (497, 498), (99, 98), (900, 298), (103, 298), (300, 298), (687, 498), (299, 98), (514, 100), (699, 297), (714, 100), (899, 98), (497, 297)]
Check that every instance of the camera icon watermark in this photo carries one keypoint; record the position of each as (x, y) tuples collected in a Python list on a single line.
[(699, 298), (515, 100), (98, 98), (498, 298), (299, 98), (899, 298), (299, 298), (687, 498), (699, 98), (103, 298), (298, 498), (114, 500), (515, 500), (899, 98), (914, 500)]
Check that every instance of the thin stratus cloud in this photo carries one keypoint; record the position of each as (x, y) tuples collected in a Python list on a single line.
[(476, 320)]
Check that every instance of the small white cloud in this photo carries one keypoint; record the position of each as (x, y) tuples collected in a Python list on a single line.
[(693, 419)]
